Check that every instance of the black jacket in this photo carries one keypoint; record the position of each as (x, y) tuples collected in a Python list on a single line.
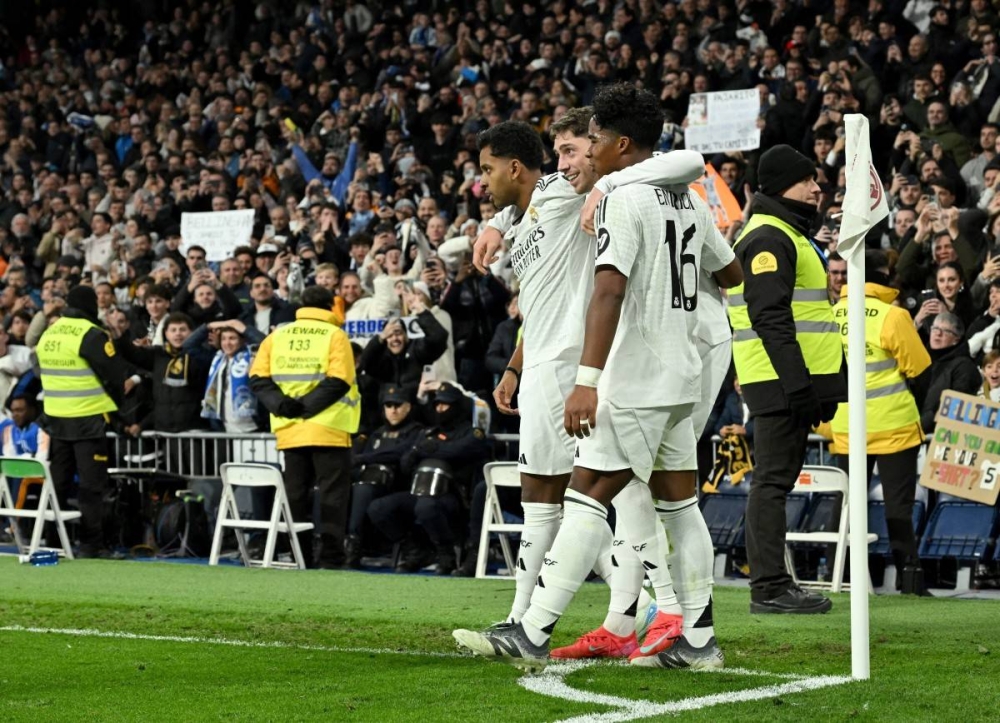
[(502, 346), (733, 414), (99, 352), (951, 369), (225, 307), (461, 445), (387, 445), (405, 369), (769, 303), (281, 313)]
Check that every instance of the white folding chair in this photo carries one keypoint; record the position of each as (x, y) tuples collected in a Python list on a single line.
[(48, 510), (822, 480), (497, 474), (257, 475)]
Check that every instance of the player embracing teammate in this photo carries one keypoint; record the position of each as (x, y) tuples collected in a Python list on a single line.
[(633, 380)]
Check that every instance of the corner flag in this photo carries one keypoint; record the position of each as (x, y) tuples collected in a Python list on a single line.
[(864, 202)]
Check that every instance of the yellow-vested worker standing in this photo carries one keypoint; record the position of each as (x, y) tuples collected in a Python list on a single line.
[(893, 354), (83, 383), (304, 374)]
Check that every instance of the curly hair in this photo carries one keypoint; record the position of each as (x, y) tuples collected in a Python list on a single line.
[(513, 139), (630, 112)]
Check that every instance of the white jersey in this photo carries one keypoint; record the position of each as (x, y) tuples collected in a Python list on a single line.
[(662, 240)]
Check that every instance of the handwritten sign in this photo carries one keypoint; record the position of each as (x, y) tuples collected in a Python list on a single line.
[(218, 232), (964, 455), (723, 121)]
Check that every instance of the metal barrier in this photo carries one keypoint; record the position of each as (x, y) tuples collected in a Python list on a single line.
[(192, 454)]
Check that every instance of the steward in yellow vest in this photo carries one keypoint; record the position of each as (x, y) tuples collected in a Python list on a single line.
[(83, 382), (304, 375), (789, 361)]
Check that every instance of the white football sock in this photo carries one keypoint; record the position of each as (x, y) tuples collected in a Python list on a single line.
[(582, 534), (691, 559), (637, 518), (541, 523), (626, 586)]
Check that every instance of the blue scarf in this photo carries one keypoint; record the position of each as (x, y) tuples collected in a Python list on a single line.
[(244, 401)]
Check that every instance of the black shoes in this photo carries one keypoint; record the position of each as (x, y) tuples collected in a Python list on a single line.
[(913, 582), (794, 601), (446, 563), (352, 552)]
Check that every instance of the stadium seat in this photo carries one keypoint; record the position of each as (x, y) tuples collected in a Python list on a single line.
[(724, 516), (257, 475), (48, 509), (961, 530), (824, 481), (497, 474), (877, 526)]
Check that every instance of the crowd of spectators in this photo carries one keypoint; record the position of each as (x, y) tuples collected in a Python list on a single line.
[(349, 128)]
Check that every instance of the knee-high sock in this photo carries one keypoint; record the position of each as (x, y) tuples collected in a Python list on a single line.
[(581, 536), (637, 518), (541, 523), (690, 559), (625, 583)]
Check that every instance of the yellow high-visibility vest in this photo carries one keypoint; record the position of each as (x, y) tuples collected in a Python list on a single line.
[(70, 385), (300, 353), (815, 329)]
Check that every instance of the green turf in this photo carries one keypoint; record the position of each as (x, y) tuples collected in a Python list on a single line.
[(931, 659)]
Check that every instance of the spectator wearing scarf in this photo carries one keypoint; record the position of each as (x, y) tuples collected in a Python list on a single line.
[(229, 402)]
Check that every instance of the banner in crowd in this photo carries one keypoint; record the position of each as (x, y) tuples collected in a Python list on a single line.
[(218, 232), (725, 208), (361, 330), (964, 455), (723, 121)]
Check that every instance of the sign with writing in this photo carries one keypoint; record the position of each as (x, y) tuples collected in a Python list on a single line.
[(218, 232), (964, 455), (723, 121), (714, 191), (361, 330)]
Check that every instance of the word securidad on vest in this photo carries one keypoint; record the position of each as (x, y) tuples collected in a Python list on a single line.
[(963, 458)]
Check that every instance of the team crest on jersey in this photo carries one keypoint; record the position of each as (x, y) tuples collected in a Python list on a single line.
[(533, 214)]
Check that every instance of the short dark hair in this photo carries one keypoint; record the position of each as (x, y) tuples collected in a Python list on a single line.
[(576, 121), (630, 112), (179, 317), (318, 297), (515, 140), (360, 239), (240, 250), (196, 247), (159, 291)]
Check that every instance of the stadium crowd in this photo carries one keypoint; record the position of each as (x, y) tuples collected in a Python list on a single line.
[(350, 129)]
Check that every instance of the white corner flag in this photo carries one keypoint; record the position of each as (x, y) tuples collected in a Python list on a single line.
[(864, 206)]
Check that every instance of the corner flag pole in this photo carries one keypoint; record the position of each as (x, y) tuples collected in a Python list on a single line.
[(864, 206)]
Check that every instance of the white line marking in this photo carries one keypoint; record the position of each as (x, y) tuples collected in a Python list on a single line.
[(90, 633), (551, 683)]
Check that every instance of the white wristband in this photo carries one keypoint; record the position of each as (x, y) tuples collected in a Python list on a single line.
[(587, 376)]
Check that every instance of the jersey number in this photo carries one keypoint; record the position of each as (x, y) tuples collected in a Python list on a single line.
[(299, 344), (678, 298)]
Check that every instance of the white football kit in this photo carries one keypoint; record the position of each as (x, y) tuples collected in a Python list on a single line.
[(553, 260), (662, 240)]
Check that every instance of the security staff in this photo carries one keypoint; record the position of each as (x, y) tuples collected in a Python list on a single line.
[(789, 361), (304, 375), (458, 449), (83, 383), (894, 353), (378, 458)]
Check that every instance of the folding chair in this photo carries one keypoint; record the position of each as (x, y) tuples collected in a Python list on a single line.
[(257, 475), (959, 530), (824, 480), (48, 504), (497, 474)]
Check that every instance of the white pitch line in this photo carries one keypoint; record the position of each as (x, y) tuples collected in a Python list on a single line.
[(551, 683)]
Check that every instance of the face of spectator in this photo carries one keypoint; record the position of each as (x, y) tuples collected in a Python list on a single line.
[(436, 229), (204, 296), (264, 262), (393, 261), (176, 334), (988, 138), (362, 201), (427, 209), (922, 88), (930, 169), (909, 195), (396, 413), (395, 340), (350, 288), (261, 290), (916, 48), (729, 172), (105, 296), (245, 261), (903, 222), (99, 225), (948, 283), (945, 198), (327, 278), (572, 161), (822, 148), (193, 258), (156, 307), (837, 275), (991, 373), (279, 217), (943, 335), (18, 328), (220, 203), (944, 251), (230, 342), (936, 115), (20, 413), (231, 273)]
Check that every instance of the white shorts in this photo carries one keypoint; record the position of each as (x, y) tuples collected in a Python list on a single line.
[(715, 366), (639, 439), (545, 448)]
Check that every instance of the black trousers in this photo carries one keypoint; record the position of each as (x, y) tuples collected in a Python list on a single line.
[(362, 497), (779, 451), (87, 458), (394, 515), (328, 470), (899, 484)]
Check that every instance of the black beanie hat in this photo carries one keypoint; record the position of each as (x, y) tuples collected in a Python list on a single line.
[(781, 168), (83, 298)]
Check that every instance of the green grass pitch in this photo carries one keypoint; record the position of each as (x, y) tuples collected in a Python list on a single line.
[(342, 646)]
